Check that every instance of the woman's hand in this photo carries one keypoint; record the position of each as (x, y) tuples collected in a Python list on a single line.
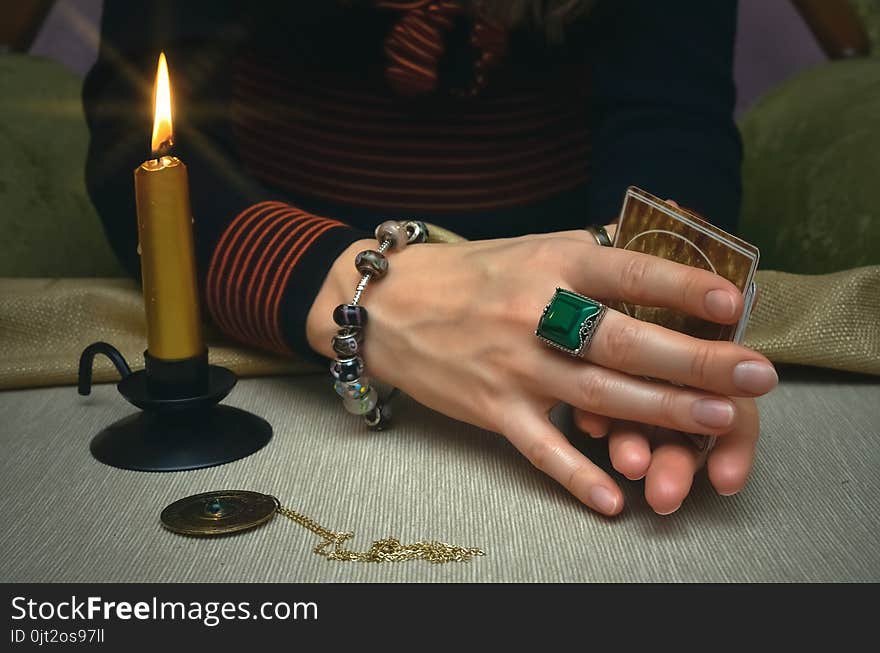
[(668, 461), (453, 326)]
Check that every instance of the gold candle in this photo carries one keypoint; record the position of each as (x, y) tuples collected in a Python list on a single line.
[(168, 264)]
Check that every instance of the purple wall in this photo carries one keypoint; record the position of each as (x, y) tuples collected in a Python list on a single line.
[(773, 43), (71, 34)]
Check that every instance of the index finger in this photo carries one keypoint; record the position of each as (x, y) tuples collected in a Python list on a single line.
[(646, 280)]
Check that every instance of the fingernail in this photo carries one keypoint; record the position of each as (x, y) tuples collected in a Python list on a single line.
[(755, 377), (713, 413), (720, 305), (668, 512), (603, 499)]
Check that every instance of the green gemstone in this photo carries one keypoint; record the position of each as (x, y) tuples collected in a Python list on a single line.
[(564, 317)]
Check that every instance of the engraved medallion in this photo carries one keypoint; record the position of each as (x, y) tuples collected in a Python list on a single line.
[(219, 513)]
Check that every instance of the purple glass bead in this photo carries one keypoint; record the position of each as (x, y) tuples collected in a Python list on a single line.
[(350, 315)]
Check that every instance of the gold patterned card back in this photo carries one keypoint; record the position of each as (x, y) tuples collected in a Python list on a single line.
[(650, 225)]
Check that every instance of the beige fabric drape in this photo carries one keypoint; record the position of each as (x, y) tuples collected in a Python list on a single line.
[(826, 320), (830, 320)]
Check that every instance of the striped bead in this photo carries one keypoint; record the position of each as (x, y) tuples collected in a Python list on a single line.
[(350, 315)]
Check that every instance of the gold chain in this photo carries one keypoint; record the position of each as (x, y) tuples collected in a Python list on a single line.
[(388, 550)]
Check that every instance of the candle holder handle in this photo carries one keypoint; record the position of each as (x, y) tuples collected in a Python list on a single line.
[(86, 361), (181, 424)]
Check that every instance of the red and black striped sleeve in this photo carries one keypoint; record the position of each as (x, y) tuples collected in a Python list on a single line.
[(261, 260), (256, 284)]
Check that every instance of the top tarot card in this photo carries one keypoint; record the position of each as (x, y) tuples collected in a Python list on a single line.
[(650, 225)]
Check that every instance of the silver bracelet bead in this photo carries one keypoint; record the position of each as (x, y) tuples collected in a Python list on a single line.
[(359, 397), (347, 342), (416, 231), (379, 418)]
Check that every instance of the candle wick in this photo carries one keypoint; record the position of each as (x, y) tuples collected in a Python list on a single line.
[(163, 149)]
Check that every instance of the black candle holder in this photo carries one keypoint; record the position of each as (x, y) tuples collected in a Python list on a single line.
[(180, 426)]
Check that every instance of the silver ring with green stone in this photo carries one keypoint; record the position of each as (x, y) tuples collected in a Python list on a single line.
[(569, 322)]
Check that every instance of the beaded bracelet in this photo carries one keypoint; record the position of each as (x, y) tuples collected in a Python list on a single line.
[(359, 397)]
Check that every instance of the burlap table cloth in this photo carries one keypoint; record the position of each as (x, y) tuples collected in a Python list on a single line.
[(830, 320)]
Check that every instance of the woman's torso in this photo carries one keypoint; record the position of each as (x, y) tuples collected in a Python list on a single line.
[(368, 113)]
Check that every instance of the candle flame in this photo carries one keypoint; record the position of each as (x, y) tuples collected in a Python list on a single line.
[(163, 135)]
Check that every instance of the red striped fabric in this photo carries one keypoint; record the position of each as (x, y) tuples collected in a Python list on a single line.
[(353, 144), (253, 263)]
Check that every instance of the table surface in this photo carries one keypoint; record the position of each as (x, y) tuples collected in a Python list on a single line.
[(810, 513)]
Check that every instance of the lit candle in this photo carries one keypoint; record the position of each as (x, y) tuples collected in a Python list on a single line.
[(168, 265)]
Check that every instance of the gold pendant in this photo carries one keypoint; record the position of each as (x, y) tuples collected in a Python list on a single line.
[(230, 511), (219, 513)]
